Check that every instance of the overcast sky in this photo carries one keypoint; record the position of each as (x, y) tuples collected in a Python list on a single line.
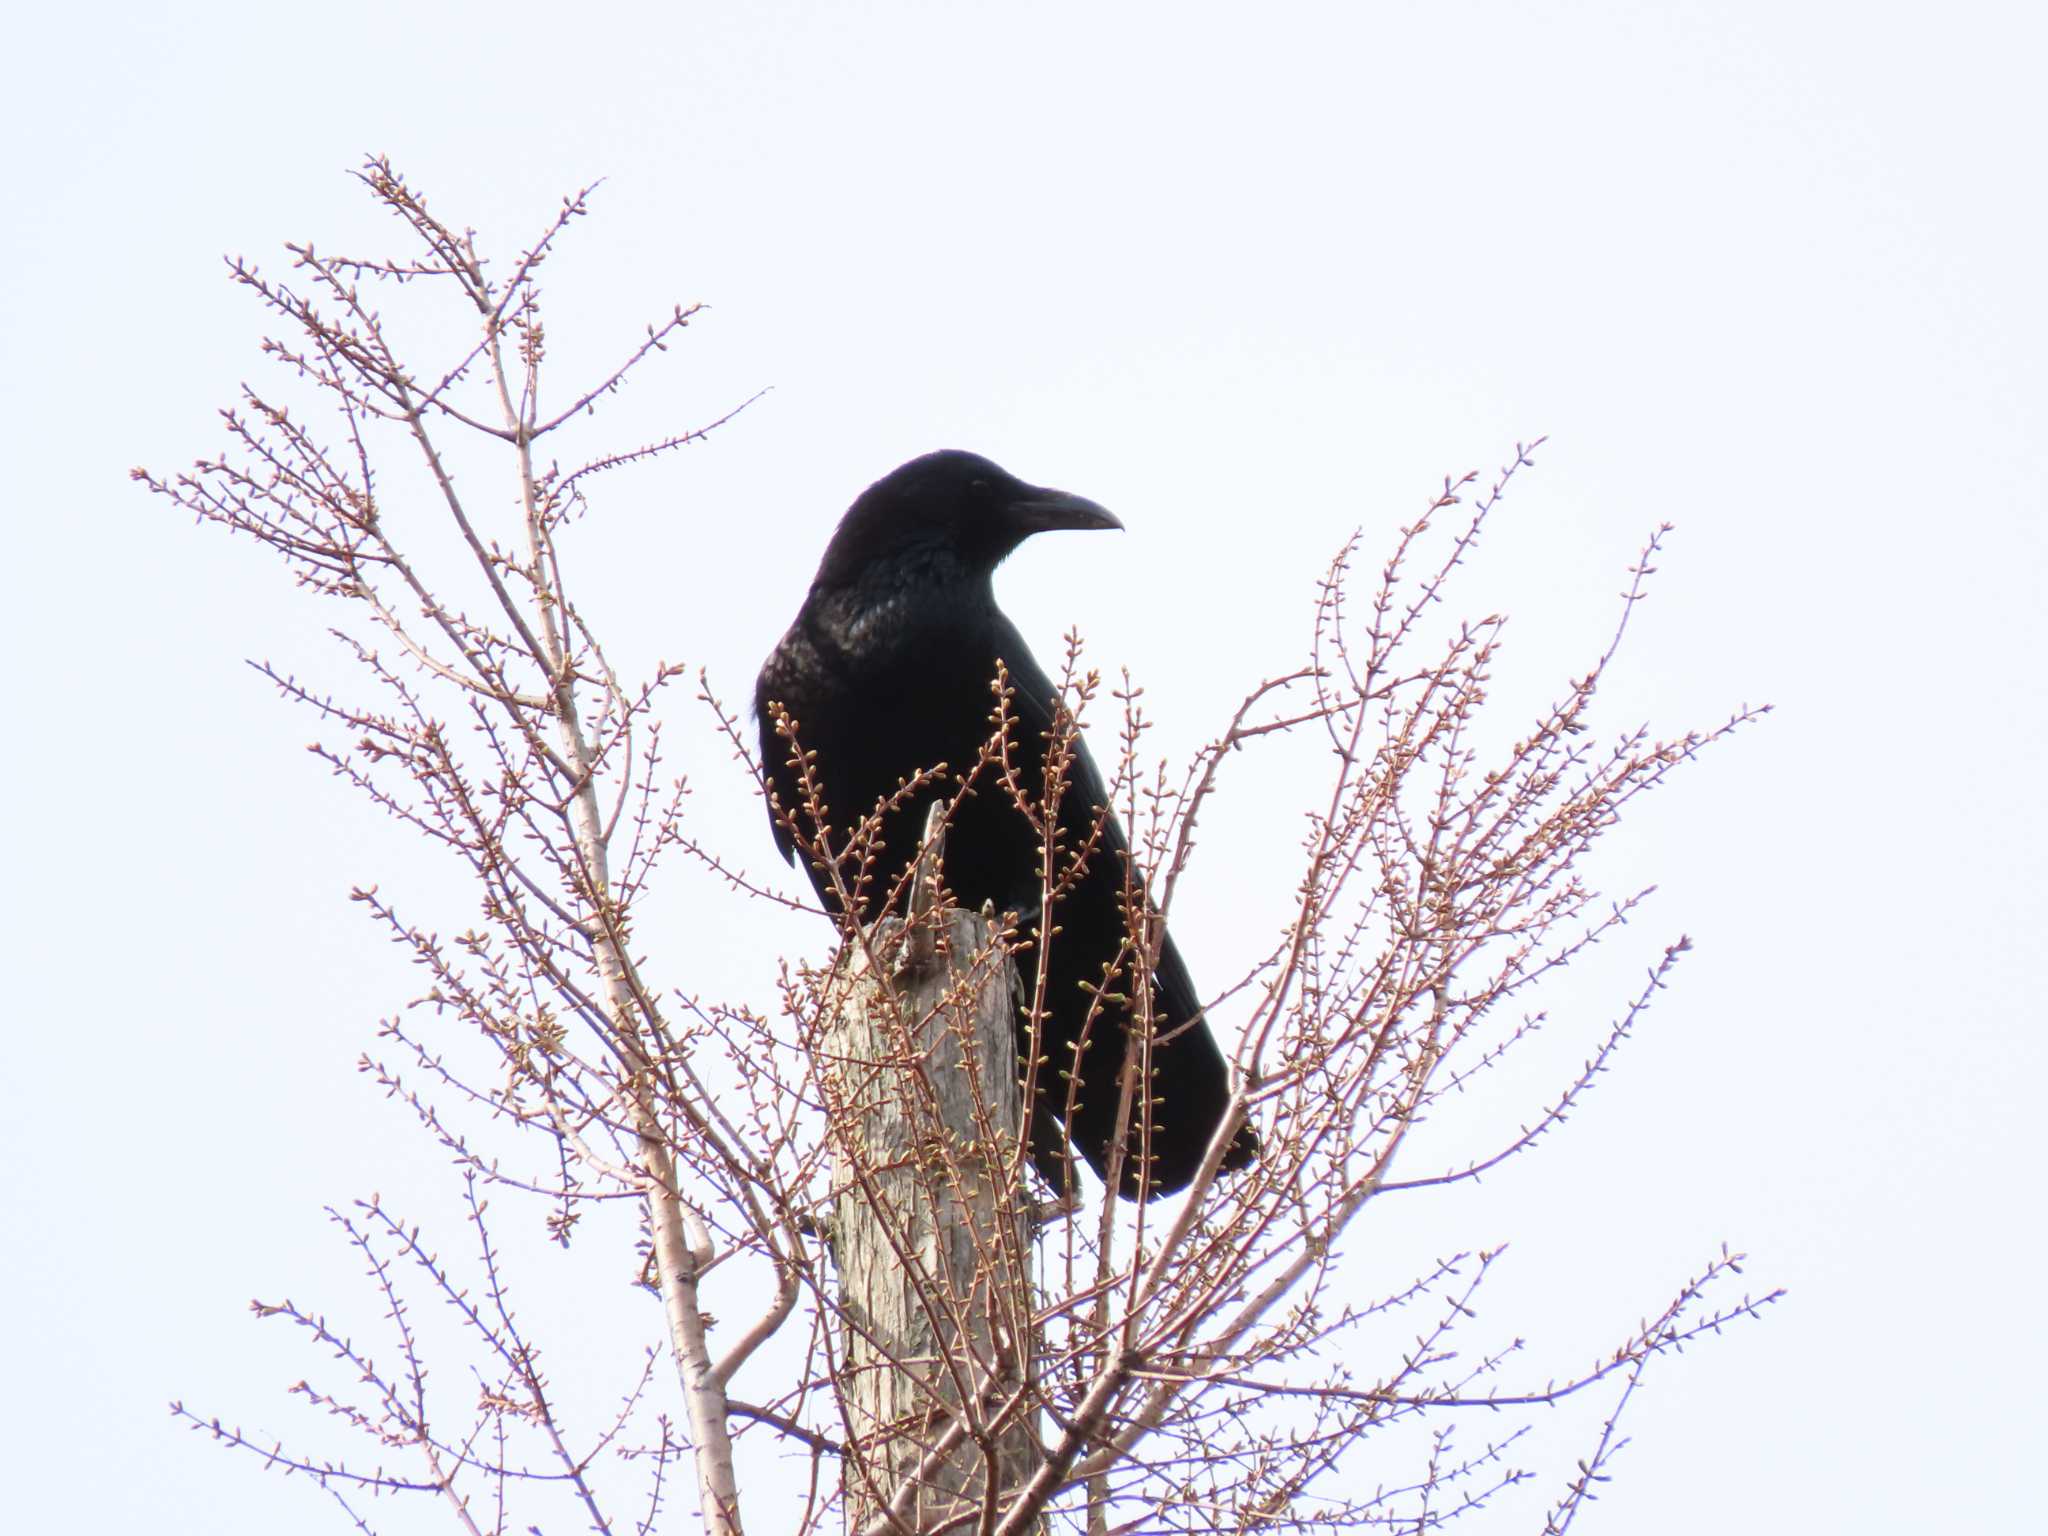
[(1252, 277)]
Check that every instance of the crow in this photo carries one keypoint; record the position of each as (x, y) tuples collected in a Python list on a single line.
[(888, 683)]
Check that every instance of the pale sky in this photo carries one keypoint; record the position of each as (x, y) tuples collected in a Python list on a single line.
[(1251, 278)]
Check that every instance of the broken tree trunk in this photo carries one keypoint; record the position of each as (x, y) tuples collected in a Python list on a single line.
[(931, 1231)]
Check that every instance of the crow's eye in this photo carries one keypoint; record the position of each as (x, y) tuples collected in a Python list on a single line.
[(977, 485)]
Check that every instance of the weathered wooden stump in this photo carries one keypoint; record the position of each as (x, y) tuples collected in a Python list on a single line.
[(931, 1229)]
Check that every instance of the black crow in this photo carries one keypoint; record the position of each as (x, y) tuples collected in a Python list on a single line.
[(888, 670)]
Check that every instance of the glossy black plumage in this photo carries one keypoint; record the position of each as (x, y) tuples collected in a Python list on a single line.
[(887, 670)]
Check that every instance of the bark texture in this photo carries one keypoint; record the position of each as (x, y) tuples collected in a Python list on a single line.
[(931, 1229)]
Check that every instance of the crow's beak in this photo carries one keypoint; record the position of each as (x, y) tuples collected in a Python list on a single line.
[(1039, 510)]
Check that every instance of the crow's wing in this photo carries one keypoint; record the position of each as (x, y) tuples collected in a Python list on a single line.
[(1035, 702)]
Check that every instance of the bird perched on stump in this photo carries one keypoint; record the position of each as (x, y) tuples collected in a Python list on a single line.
[(888, 683)]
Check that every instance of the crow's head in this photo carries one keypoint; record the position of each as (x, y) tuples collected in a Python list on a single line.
[(951, 506)]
